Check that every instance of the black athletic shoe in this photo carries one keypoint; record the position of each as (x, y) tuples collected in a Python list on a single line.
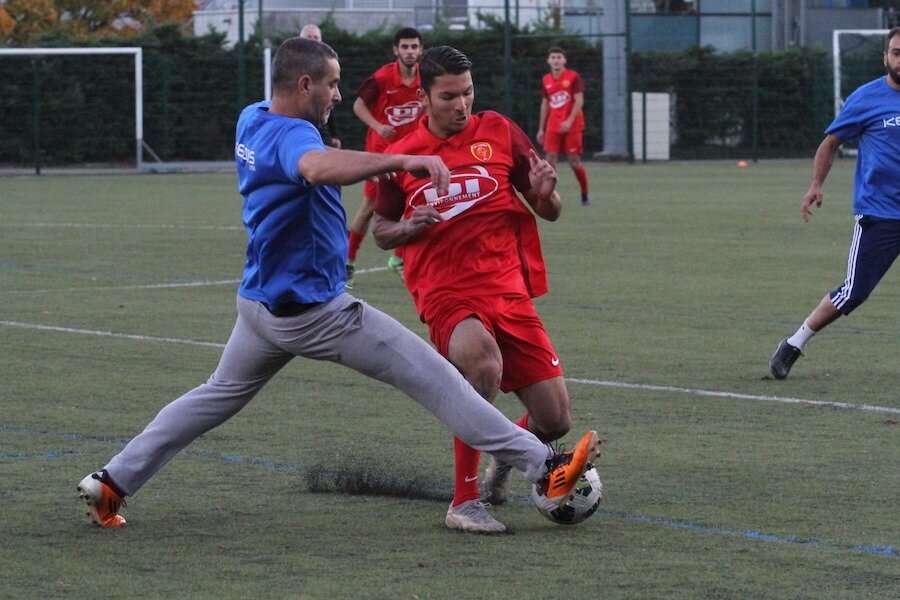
[(783, 359)]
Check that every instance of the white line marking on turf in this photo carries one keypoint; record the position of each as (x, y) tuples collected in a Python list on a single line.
[(149, 286), (126, 226), (125, 336), (734, 395), (154, 286), (614, 384)]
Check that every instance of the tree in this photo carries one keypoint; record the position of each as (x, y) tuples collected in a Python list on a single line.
[(31, 18), (88, 19), (168, 11), (7, 23)]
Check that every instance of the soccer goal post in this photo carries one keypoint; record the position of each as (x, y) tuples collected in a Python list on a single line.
[(138, 80), (856, 55)]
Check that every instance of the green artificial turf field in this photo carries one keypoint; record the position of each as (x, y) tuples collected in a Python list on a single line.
[(668, 295)]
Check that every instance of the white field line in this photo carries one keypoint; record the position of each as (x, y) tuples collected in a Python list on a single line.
[(155, 286), (110, 334), (734, 395), (125, 226), (613, 384), (148, 286)]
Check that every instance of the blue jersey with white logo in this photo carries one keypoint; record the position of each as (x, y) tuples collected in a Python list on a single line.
[(297, 232), (872, 114)]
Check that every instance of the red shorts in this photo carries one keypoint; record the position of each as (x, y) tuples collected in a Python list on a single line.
[(528, 355), (563, 143)]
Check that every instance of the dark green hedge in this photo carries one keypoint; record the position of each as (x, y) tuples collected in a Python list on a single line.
[(714, 95), (85, 108)]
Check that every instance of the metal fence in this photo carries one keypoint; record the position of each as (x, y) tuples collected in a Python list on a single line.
[(63, 110)]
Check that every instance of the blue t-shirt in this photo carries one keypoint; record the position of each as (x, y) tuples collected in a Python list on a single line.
[(872, 114), (297, 232)]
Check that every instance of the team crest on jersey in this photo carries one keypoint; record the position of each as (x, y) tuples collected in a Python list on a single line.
[(468, 186), (559, 99), (401, 114), (482, 151)]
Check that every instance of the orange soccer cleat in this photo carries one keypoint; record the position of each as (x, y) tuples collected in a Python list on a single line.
[(564, 469), (103, 503)]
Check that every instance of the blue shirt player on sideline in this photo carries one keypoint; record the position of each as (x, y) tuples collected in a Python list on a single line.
[(871, 114), (292, 302)]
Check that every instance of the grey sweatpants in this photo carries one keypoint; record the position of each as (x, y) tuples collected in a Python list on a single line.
[(347, 331)]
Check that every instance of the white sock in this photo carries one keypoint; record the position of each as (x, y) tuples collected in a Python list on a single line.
[(799, 339)]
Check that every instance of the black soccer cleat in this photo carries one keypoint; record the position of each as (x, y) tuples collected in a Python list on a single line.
[(783, 359)]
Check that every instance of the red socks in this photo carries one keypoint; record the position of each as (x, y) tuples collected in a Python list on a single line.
[(466, 484), (355, 240), (466, 481), (581, 176)]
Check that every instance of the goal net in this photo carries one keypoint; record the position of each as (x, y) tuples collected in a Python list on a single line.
[(73, 107), (857, 55)]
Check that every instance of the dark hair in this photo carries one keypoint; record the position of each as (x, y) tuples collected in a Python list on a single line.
[(890, 34), (441, 60), (297, 57), (407, 33), (555, 50)]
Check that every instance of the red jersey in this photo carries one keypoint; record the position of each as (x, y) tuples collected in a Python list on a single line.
[(488, 243), (560, 96), (391, 102)]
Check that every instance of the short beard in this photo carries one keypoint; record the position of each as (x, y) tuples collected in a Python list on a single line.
[(895, 76)]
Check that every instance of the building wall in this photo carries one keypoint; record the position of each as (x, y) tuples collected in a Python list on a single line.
[(357, 20), (727, 25), (822, 21)]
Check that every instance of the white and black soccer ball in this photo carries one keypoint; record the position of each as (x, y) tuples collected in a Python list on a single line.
[(583, 501)]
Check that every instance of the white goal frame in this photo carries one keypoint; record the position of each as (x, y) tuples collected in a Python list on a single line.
[(138, 81), (836, 61)]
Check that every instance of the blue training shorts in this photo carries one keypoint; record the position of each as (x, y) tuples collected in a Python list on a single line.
[(875, 245)]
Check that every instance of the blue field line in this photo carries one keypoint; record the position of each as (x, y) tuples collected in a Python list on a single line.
[(235, 459), (51, 455), (749, 534)]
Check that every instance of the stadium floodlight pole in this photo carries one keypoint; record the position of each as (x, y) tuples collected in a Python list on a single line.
[(138, 80), (507, 60), (836, 62), (139, 107), (629, 106), (267, 70), (755, 97), (36, 114), (259, 18), (242, 75)]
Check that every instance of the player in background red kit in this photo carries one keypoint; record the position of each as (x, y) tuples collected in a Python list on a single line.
[(387, 102), (474, 264), (562, 120)]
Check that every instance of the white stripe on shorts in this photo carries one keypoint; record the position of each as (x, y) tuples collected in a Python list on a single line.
[(844, 293)]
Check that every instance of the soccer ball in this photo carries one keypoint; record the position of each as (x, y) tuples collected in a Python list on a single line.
[(585, 498)]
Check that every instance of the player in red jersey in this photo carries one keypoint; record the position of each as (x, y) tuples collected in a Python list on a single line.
[(474, 263), (387, 102), (562, 121)]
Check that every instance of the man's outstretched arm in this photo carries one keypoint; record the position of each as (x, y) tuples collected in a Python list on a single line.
[(345, 167)]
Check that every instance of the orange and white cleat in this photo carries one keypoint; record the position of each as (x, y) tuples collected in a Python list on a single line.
[(103, 503), (564, 469)]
